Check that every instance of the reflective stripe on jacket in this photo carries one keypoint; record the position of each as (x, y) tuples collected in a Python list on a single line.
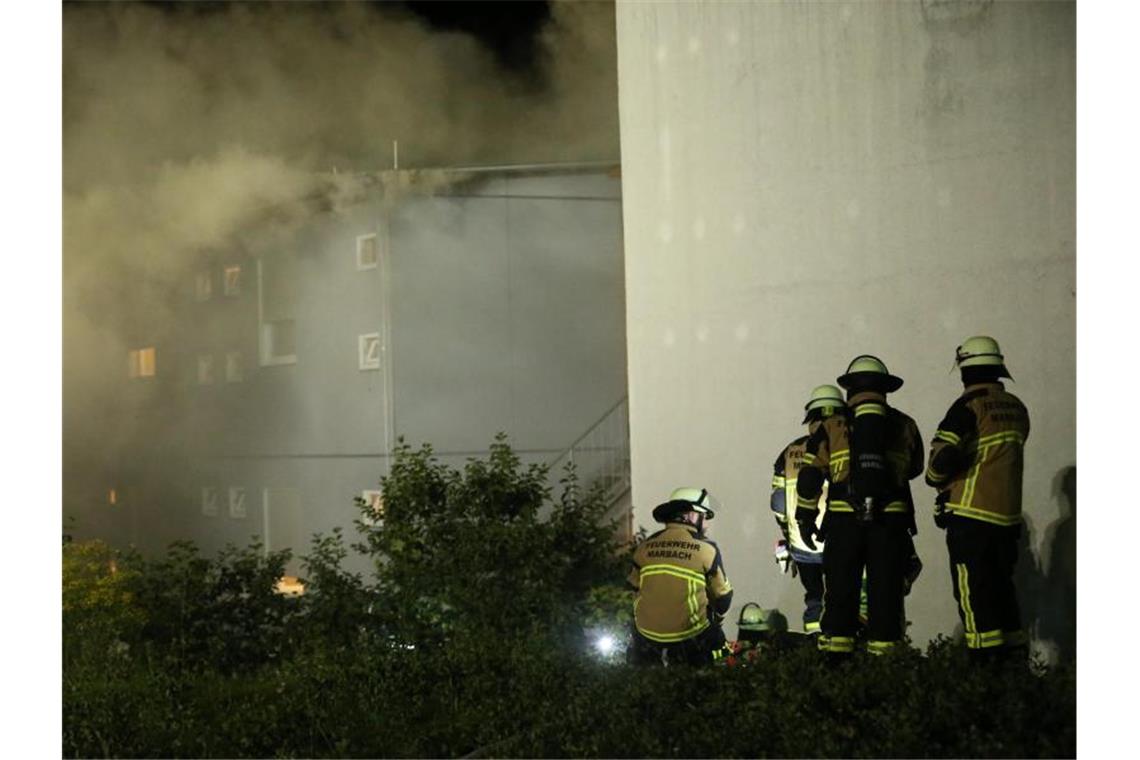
[(984, 435), (678, 575), (829, 451), (786, 471)]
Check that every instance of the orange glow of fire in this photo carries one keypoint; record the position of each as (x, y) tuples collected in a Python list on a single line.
[(290, 585)]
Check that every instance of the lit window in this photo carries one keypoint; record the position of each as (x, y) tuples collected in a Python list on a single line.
[(203, 286), (140, 362), (279, 342), (367, 252), (205, 369), (374, 500), (209, 501), (368, 347), (235, 368), (237, 502), (233, 280)]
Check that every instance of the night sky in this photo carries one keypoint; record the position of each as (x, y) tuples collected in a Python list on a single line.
[(509, 29)]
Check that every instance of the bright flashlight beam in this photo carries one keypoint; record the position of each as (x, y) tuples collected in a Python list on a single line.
[(605, 644)]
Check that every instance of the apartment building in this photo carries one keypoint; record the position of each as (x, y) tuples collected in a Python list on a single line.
[(494, 302)]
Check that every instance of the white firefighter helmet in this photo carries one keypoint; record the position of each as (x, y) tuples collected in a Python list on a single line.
[(867, 367), (753, 618), (823, 397), (683, 500), (981, 351)]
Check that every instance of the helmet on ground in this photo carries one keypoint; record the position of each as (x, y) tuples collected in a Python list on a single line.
[(981, 351), (865, 369), (753, 618), (823, 397), (683, 500)]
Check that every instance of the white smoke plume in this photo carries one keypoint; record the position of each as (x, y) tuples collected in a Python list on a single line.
[(185, 125)]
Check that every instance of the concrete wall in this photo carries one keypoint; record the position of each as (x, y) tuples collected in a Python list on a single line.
[(805, 182)]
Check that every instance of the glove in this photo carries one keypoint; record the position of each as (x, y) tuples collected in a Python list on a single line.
[(940, 513), (807, 532), (913, 570), (783, 556)]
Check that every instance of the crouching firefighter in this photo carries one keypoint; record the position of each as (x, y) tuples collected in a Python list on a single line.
[(825, 400), (683, 593), (868, 452)]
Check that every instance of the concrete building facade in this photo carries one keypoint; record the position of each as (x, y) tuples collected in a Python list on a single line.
[(492, 301), (806, 182)]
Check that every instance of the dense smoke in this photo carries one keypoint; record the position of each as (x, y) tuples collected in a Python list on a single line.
[(185, 125)]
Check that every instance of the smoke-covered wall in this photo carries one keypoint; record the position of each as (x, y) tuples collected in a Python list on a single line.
[(193, 131), (805, 182)]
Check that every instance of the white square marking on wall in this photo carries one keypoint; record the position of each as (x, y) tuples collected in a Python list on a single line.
[(209, 501), (140, 362), (205, 369), (203, 286), (375, 503), (368, 347), (232, 282), (235, 368), (367, 251), (237, 502), (279, 342)]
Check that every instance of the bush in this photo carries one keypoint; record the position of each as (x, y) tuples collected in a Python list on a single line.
[(496, 581), (471, 554), (100, 613)]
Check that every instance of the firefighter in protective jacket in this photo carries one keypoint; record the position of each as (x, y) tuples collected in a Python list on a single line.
[(868, 453), (683, 593), (807, 562), (976, 463)]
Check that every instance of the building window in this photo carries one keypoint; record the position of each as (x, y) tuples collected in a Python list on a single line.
[(279, 342), (140, 362), (368, 348), (203, 286), (237, 502), (232, 280), (205, 369), (374, 501), (235, 368), (367, 251), (209, 501)]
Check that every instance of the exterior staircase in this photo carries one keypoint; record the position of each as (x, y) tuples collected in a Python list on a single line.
[(601, 455)]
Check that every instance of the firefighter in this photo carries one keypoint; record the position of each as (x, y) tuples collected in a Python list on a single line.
[(792, 551), (976, 462), (683, 593), (868, 453)]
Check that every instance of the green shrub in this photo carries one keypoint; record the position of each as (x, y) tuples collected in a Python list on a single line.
[(471, 553), (529, 701), (467, 642), (101, 615)]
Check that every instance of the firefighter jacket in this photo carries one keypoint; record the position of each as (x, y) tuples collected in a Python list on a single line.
[(786, 471), (681, 583), (828, 452), (976, 457)]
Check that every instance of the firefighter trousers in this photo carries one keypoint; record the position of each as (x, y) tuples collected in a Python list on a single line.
[(811, 576), (982, 560), (706, 647), (882, 547)]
